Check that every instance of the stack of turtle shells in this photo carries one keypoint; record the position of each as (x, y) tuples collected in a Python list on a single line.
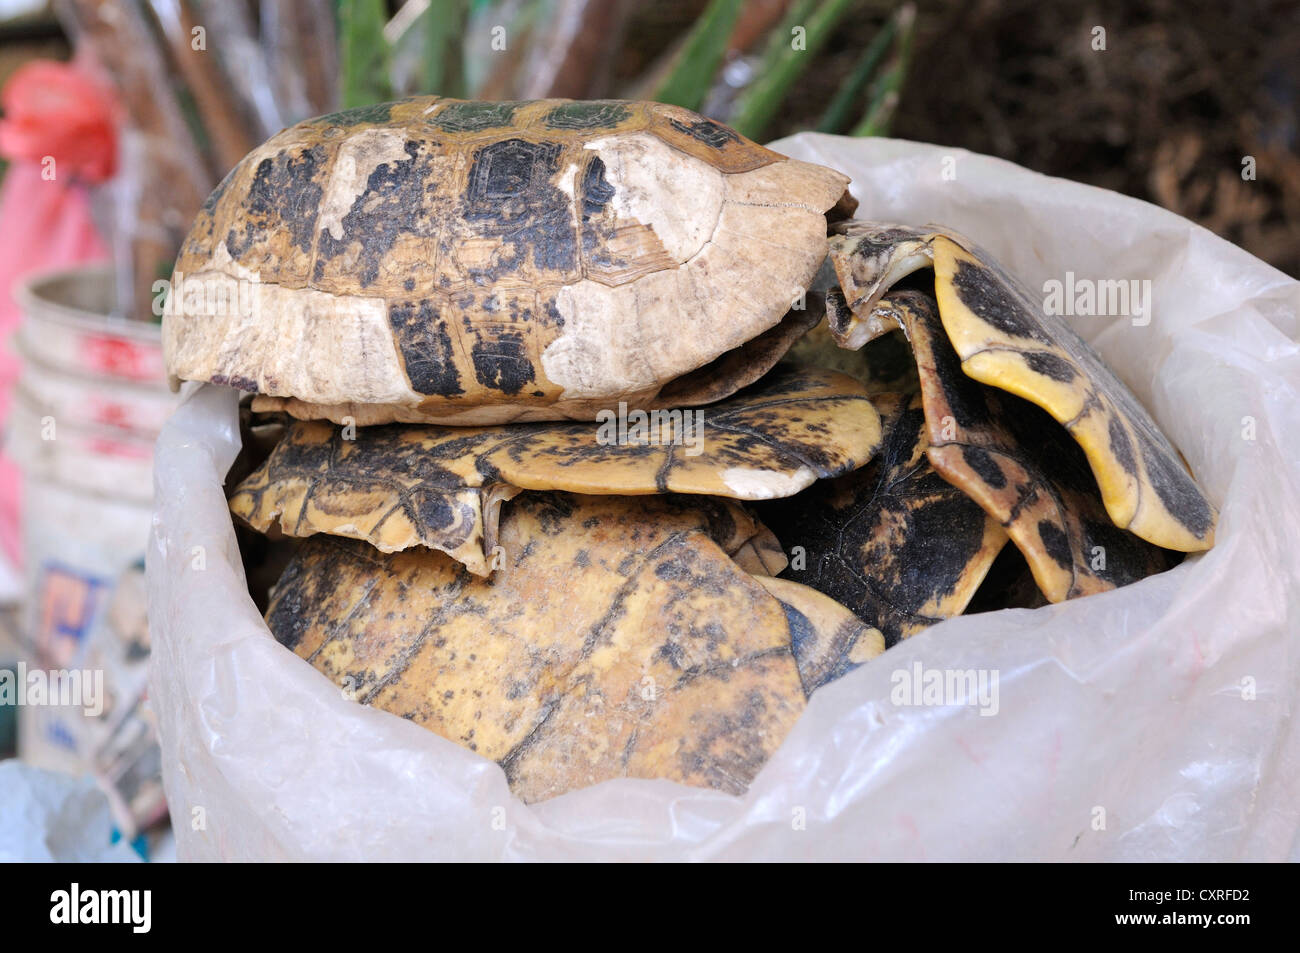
[(583, 470)]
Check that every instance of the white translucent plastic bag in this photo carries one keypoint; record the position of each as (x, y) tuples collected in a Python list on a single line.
[(1153, 722), (50, 817)]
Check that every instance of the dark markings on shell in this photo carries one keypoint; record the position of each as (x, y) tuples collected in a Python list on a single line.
[(965, 399), (214, 196), (1177, 491), (838, 313), (879, 239), (1050, 365), (299, 601), (1121, 445), (382, 212), (434, 510), (502, 363), (706, 131), (732, 775), (1125, 557), (426, 348), (288, 619), (475, 117), (597, 114), (979, 460), (994, 302), (237, 381), (801, 630), (596, 192), (283, 195), (1056, 543), (820, 663), (509, 195)]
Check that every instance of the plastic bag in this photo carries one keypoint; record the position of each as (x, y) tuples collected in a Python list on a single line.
[(59, 137), (1152, 722), (46, 816)]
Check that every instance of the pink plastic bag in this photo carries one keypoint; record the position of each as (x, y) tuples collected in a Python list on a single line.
[(59, 133)]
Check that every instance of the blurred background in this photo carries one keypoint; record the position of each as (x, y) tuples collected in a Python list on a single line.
[(119, 116)]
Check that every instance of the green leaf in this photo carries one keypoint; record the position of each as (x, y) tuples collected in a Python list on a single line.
[(363, 53), (697, 64), (889, 89), (840, 112), (782, 63), (444, 65)]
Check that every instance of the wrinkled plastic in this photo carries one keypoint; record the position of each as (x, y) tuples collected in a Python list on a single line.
[(1152, 722)]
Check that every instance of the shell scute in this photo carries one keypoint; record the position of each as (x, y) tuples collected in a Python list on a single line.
[(1009, 341), (893, 541), (588, 115), (669, 661), (573, 220)]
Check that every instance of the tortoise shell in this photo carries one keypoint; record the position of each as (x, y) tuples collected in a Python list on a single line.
[(621, 638), (1004, 338), (398, 486), (893, 541), (1021, 467), (443, 261)]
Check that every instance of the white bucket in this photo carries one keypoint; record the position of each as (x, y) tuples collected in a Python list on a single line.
[(92, 395), (108, 462), (67, 327), (89, 403)]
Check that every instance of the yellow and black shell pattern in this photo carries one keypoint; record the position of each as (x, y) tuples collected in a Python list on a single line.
[(1022, 468), (892, 541), (397, 486), (667, 659), (444, 261), (1006, 340)]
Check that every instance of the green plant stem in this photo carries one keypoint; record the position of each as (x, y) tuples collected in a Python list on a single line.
[(444, 66), (697, 64), (781, 64), (880, 113), (840, 112), (363, 53)]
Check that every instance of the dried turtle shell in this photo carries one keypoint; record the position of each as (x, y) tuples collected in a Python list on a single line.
[(400, 486), (1022, 468), (619, 639), (884, 365), (441, 261), (893, 541), (1005, 339), (827, 639)]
